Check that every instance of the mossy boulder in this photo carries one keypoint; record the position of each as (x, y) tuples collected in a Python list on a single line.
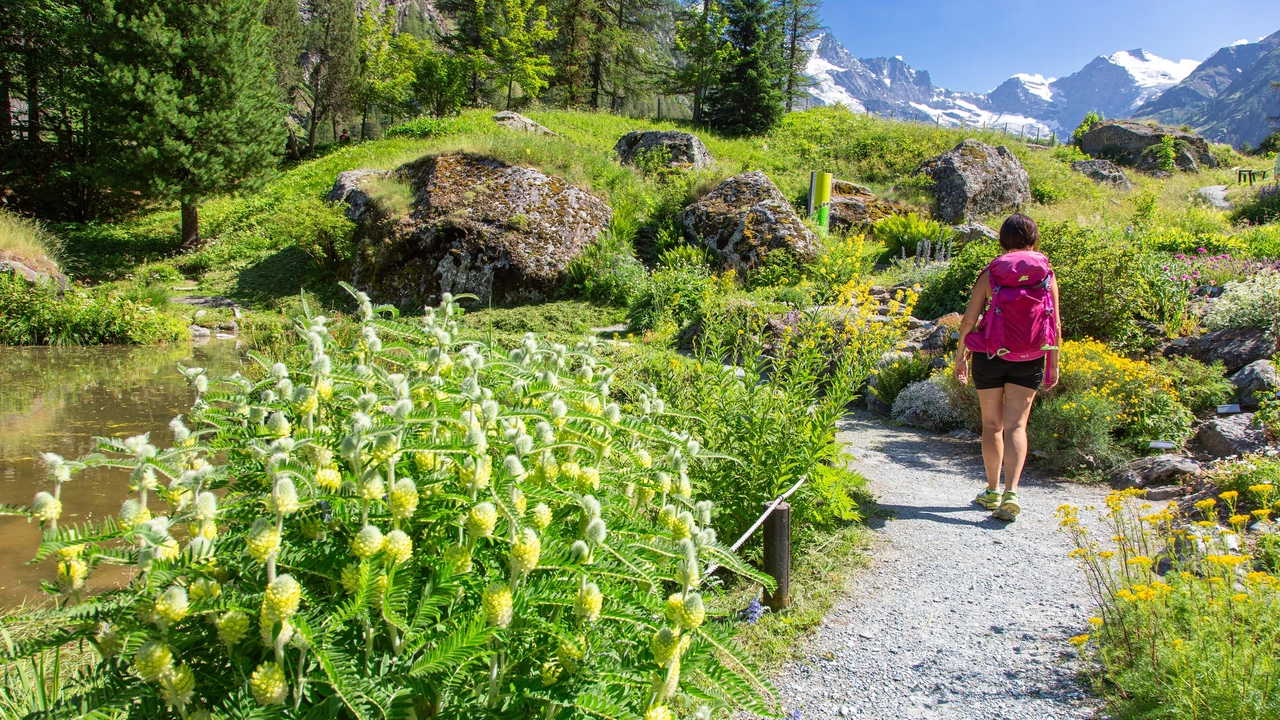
[(745, 218), (855, 206), (682, 149), (974, 179), (470, 225), (1132, 143)]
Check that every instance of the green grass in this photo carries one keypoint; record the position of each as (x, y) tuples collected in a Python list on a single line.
[(265, 247), (564, 321), (28, 242)]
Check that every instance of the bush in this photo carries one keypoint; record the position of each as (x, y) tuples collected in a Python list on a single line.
[(892, 377), (1091, 118), (899, 232), (843, 260), (925, 404), (1101, 281), (675, 298), (1200, 387), (1262, 206), (950, 292), (37, 315), (608, 272), (482, 530), (1184, 628), (1260, 241), (1076, 432), (1252, 303)]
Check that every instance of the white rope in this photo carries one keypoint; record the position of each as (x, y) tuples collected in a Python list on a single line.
[(768, 511)]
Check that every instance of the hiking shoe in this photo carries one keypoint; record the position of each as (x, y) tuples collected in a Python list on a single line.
[(987, 500), (1009, 508)]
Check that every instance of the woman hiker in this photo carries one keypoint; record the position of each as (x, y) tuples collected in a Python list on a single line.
[(1009, 344)]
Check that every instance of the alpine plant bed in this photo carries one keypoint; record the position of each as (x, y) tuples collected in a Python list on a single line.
[(405, 527)]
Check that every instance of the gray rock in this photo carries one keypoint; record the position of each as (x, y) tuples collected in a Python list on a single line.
[(33, 276), (476, 225), (1231, 435), (1130, 142), (849, 211), (1165, 493), (746, 217), (1235, 347), (686, 150), (972, 232), (516, 121), (1103, 172), (349, 188), (975, 179), (1254, 381), (1154, 470), (199, 333)]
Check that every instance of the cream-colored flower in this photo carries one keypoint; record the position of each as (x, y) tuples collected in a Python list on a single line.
[(398, 547), (281, 599), (350, 578), (497, 605), (403, 498), (46, 507), (133, 514), (659, 712), (263, 540), (541, 516), (232, 626), (153, 661), (367, 542), (179, 689), (481, 520), (518, 501), (329, 478), (204, 589), (525, 552), (72, 573), (172, 604), (665, 644), (458, 557), (588, 603), (269, 684), (286, 497)]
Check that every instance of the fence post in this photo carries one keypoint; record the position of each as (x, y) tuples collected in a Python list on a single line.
[(777, 555)]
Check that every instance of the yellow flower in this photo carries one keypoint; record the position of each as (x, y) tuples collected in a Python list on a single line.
[(1096, 622), (1206, 504), (1262, 514), (172, 604), (481, 520), (1238, 519), (659, 712), (1141, 560), (588, 603), (541, 516), (72, 573), (232, 626), (329, 478), (153, 661), (525, 552), (1228, 495), (46, 507), (1079, 640), (1227, 560), (281, 600), (398, 546), (180, 687), (263, 540), (1240, 597), (665, 645), (367, 542)]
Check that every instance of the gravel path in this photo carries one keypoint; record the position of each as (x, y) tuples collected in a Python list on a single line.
[(1216, 195), (958, 616)]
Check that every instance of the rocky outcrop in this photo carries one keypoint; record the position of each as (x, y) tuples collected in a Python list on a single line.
[(516, 121), (853, 205), (476, 225), (1235, 347), (685, 150), (975, 179), (966, 233), (1155, 470), (1131, 143), (1255, 381), (1103, 172), (745, 218), (1231, 435), (33, 276), (349, 188)]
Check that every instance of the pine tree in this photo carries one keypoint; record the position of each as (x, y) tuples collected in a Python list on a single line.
[(748, 99), (702, 51), (799, 21), (287, 37), (190, 88), (333, 49), (472, 39), (515, 50)]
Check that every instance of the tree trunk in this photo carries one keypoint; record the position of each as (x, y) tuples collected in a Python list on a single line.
[(364, 121), (597, 78), (31, 70), (510, 84), (190, 225), (6, 121)]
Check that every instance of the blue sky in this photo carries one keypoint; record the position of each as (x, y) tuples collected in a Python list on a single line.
[(977, 44)]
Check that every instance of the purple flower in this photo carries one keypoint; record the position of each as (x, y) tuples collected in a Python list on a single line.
[(1166, 268), (1195, 274), (752, 612), (1201, 250), (1180, 256)]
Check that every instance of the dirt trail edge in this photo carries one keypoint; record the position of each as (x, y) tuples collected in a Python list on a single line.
[(958, 616)]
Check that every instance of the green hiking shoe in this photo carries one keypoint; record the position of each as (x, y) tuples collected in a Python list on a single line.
[(987, 500), (1009, 508)]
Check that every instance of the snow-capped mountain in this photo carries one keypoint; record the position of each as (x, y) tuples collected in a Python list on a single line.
[(1115, 84)]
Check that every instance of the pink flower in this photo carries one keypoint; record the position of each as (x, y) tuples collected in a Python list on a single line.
[(1201, 250), (1180, 256)]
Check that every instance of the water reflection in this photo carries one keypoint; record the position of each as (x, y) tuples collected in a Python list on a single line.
[(57, 400)]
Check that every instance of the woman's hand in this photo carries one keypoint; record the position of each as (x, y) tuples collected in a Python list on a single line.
[(962, 366), (1051, 371)]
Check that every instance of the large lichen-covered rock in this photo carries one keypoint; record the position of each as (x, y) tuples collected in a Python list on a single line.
[(476, 226), (685, 150), (745, 218), (1132, 142), (975, 179), (1235, 347), (349, 188)]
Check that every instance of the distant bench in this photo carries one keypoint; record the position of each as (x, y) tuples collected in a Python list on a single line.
[(1252, 175)]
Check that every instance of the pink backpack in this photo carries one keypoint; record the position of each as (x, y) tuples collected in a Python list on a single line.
[(1021, 321)]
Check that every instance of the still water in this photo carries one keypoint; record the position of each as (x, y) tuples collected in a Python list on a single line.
[(58, 400)]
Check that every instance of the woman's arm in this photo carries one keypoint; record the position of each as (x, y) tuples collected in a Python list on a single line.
[(1051, 361), (977, 303)]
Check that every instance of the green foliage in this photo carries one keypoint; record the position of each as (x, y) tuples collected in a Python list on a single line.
[(37, 315), (1165, 154), (28, 242), (1185, 629), (1091, 118), (1200, 387), (560, 321), (674, 298), (748, 99), (893, 377), (402, 523), (515, 47), (906, 231), (779, 268), (608, 272), (1251, 303), (1100, 285), (1075, 432), (1258, 207), (951, 292), (333, 42)]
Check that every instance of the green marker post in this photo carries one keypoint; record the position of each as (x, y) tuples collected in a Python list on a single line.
[(822, 200)]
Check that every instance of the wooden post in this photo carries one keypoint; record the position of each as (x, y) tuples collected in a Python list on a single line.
[(777, 555)]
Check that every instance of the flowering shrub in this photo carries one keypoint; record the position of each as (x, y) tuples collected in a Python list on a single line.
[(38, 315), (843, 260), (1252, 303), (1187, 626), (1262, 206), (407, 526)]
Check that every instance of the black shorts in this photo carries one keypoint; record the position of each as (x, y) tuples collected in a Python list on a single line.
[(992, 373)]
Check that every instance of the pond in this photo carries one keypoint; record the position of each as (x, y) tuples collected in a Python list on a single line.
[(58, 400)]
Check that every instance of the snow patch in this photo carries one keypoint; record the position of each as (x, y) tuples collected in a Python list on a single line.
[(827, 91), (1037, 85)]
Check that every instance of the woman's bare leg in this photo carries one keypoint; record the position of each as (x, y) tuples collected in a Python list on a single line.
[(993, 435), (1017, 407)]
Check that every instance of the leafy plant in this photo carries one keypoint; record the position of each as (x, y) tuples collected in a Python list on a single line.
[(894, 376), (1200, 387), (904, 232), (1164, 154), (1252, 303), (37, 315), (1091, 118), (675, 297), (406, 525), (950, 292)]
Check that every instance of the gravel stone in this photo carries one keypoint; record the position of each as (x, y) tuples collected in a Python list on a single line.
[(960, 616)]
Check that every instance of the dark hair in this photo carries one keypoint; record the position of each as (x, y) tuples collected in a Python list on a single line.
[(1019, 232)]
